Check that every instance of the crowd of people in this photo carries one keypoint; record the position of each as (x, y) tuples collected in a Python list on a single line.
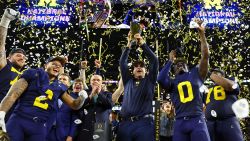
[(38, 104)]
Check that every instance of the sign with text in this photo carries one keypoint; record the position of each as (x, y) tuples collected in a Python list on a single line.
[(216, 13), (46, 12)]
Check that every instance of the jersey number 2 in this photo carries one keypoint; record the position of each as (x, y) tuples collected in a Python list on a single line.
[(40, 101), (190, 95)]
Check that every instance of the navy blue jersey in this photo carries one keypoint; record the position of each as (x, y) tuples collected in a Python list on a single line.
[(8, 76), (219, 102), (186, 95), (40, 98), (184, 90)]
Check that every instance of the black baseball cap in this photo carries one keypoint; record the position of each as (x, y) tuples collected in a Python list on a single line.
[(138, 62), (218, 70), (181, 59), (17, 50), (56, 58)]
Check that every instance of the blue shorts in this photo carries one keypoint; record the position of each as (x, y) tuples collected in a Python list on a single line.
[(225, 130), (192, 128), (136, 130), (21, 128)]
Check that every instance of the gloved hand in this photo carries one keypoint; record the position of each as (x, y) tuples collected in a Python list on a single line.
[(2, 122), (9, 15), (84, 94)]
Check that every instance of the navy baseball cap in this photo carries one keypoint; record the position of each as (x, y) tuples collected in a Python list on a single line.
[(137, 63), (218, 70), (17, 50), (181, 59), (56, 58)]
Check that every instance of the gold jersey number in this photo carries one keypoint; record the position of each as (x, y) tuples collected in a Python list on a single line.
[(40, 101), (219, 93), (190, 95)]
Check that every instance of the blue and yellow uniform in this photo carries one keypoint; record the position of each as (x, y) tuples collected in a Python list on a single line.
[(28, 122), (8, 76), (185, 93), (221, 121)]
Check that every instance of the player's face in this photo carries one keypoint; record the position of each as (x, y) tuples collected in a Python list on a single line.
[(53, 68), (64, 79), (18, 60), (77, 87), (139, 72), (180, 67), (96, 80), (218, 73)]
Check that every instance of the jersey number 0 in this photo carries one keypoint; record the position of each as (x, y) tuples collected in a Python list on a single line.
[(190, 95)]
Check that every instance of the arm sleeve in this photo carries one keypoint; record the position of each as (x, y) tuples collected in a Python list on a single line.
[(105, 100), (164, 78), (98, 71), (153, 63), (124, 65)]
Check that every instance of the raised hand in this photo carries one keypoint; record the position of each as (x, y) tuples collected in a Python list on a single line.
[(201, 26), (140, 41), (172, 55), (84, 64), (10, 14), (98, 63)]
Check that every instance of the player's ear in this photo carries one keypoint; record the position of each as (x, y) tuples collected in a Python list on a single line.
[(45, 66)]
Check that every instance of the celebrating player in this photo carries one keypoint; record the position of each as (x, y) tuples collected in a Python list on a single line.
[(37, 92), (221, 121), (185, 92)]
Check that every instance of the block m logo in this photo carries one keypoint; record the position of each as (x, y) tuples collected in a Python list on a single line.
[(213, 3), (51, 3)]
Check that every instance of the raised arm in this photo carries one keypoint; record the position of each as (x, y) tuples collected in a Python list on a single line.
[(3, 33), (98, 67), (163, 77), (124, 61), (204, 61), (9, 15), (83, 74), (153, 60), (227, 84), (116, 95)]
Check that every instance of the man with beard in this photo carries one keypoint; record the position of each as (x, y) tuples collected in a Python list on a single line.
[(10, 68), (185, 93)]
